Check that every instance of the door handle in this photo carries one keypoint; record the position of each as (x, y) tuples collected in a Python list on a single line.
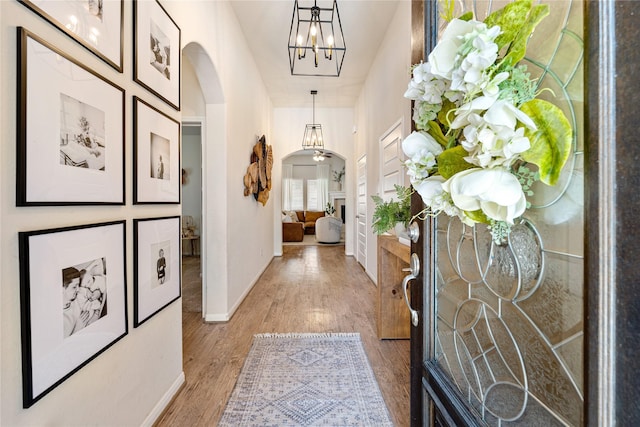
[(414, 271)]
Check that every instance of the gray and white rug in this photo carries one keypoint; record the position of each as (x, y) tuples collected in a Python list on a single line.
[(306, 380)]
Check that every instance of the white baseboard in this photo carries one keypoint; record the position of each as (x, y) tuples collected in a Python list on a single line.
[(164, 402), (225, 317), (211, 318)]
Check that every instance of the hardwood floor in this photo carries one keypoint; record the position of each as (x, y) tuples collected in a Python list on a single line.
[(308, 289)]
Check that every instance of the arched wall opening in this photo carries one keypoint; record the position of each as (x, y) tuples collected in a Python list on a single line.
[(338, 194), (210, 115)]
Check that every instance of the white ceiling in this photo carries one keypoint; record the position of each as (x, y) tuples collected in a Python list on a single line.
[(266, 25)]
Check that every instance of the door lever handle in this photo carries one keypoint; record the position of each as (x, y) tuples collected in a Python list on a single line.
[(414, 272)]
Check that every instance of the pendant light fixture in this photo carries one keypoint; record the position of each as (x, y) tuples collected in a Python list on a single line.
[(316, 41), (313, 139)]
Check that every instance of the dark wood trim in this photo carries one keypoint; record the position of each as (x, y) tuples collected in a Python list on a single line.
[(451, 408), (424, 20), (417, 332), (611, 207)]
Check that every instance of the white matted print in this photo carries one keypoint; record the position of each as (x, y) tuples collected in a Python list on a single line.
[(70, 130), (73, 301), (157, 277), (156, 156), (95, 24), (157, 51)]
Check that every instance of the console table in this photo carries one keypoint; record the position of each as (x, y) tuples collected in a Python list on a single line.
[(394, 319)]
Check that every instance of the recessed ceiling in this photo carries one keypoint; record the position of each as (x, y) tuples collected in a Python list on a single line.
[(266, 25)]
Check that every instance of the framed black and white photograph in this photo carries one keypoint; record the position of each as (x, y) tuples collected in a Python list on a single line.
[(70, 130), (157, 275), (73, 296), (156, 157), (156, 57), (95, 24)]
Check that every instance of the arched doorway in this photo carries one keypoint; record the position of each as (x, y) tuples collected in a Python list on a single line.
[(301, 168), (204, 109)]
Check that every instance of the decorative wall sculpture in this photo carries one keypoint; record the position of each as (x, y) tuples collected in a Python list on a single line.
[(257, 180)]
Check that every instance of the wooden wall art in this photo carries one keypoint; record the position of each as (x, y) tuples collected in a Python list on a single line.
[(257, 180)]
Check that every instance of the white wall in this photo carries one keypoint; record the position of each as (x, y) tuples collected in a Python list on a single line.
[(132, 381), (380, 105), (239, 237)]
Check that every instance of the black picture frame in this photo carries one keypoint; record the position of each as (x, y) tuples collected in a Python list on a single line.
[(156, 51), (157, 266), (60, 98), (156, 156), (73, 300), (97, 25)]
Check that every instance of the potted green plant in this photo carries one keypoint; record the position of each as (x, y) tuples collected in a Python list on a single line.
[(337, 177), (330, 210), (389, 213)]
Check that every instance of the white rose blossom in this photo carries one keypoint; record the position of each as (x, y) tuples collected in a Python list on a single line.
[(496, 192)]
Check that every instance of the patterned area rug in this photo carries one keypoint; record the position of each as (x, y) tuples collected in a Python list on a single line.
[(306, 380)]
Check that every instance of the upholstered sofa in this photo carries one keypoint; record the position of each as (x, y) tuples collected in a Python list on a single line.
[(292, 231), (298, 223), (309, 219)]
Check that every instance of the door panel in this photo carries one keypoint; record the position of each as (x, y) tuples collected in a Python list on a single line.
[(361, 216), (391, 161), (503, 337)]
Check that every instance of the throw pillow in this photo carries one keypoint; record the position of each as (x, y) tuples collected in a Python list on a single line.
[(292, 216), (286, 218)]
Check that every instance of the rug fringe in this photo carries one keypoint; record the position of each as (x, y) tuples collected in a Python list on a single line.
[(309, 335)]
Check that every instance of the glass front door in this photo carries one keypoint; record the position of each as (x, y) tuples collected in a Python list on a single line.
[(503, 332)]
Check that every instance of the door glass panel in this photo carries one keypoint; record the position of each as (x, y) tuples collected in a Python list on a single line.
[(509, 321)]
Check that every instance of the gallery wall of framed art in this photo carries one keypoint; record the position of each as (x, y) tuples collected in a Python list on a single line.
[(75, 201)]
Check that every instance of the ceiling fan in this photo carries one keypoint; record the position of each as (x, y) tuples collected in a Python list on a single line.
[(319, 155)]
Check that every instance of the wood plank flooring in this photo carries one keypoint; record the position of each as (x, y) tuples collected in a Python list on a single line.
[(308, 289)]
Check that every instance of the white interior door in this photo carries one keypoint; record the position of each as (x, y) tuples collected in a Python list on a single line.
[(361, 212), (391, 161)]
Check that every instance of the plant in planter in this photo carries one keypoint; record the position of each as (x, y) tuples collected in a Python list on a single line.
[(338, 175), (330, 210), (389, 213)]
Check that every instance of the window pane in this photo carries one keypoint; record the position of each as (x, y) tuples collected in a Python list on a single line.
[(312, 195), (297, 198)]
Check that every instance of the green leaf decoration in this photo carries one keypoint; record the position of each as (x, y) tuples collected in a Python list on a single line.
[(518, 47), (452, 161), (551, 143), (466, 16), (435, 131), (443, 114), (511, 19), (446, 8), (478, 216)]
